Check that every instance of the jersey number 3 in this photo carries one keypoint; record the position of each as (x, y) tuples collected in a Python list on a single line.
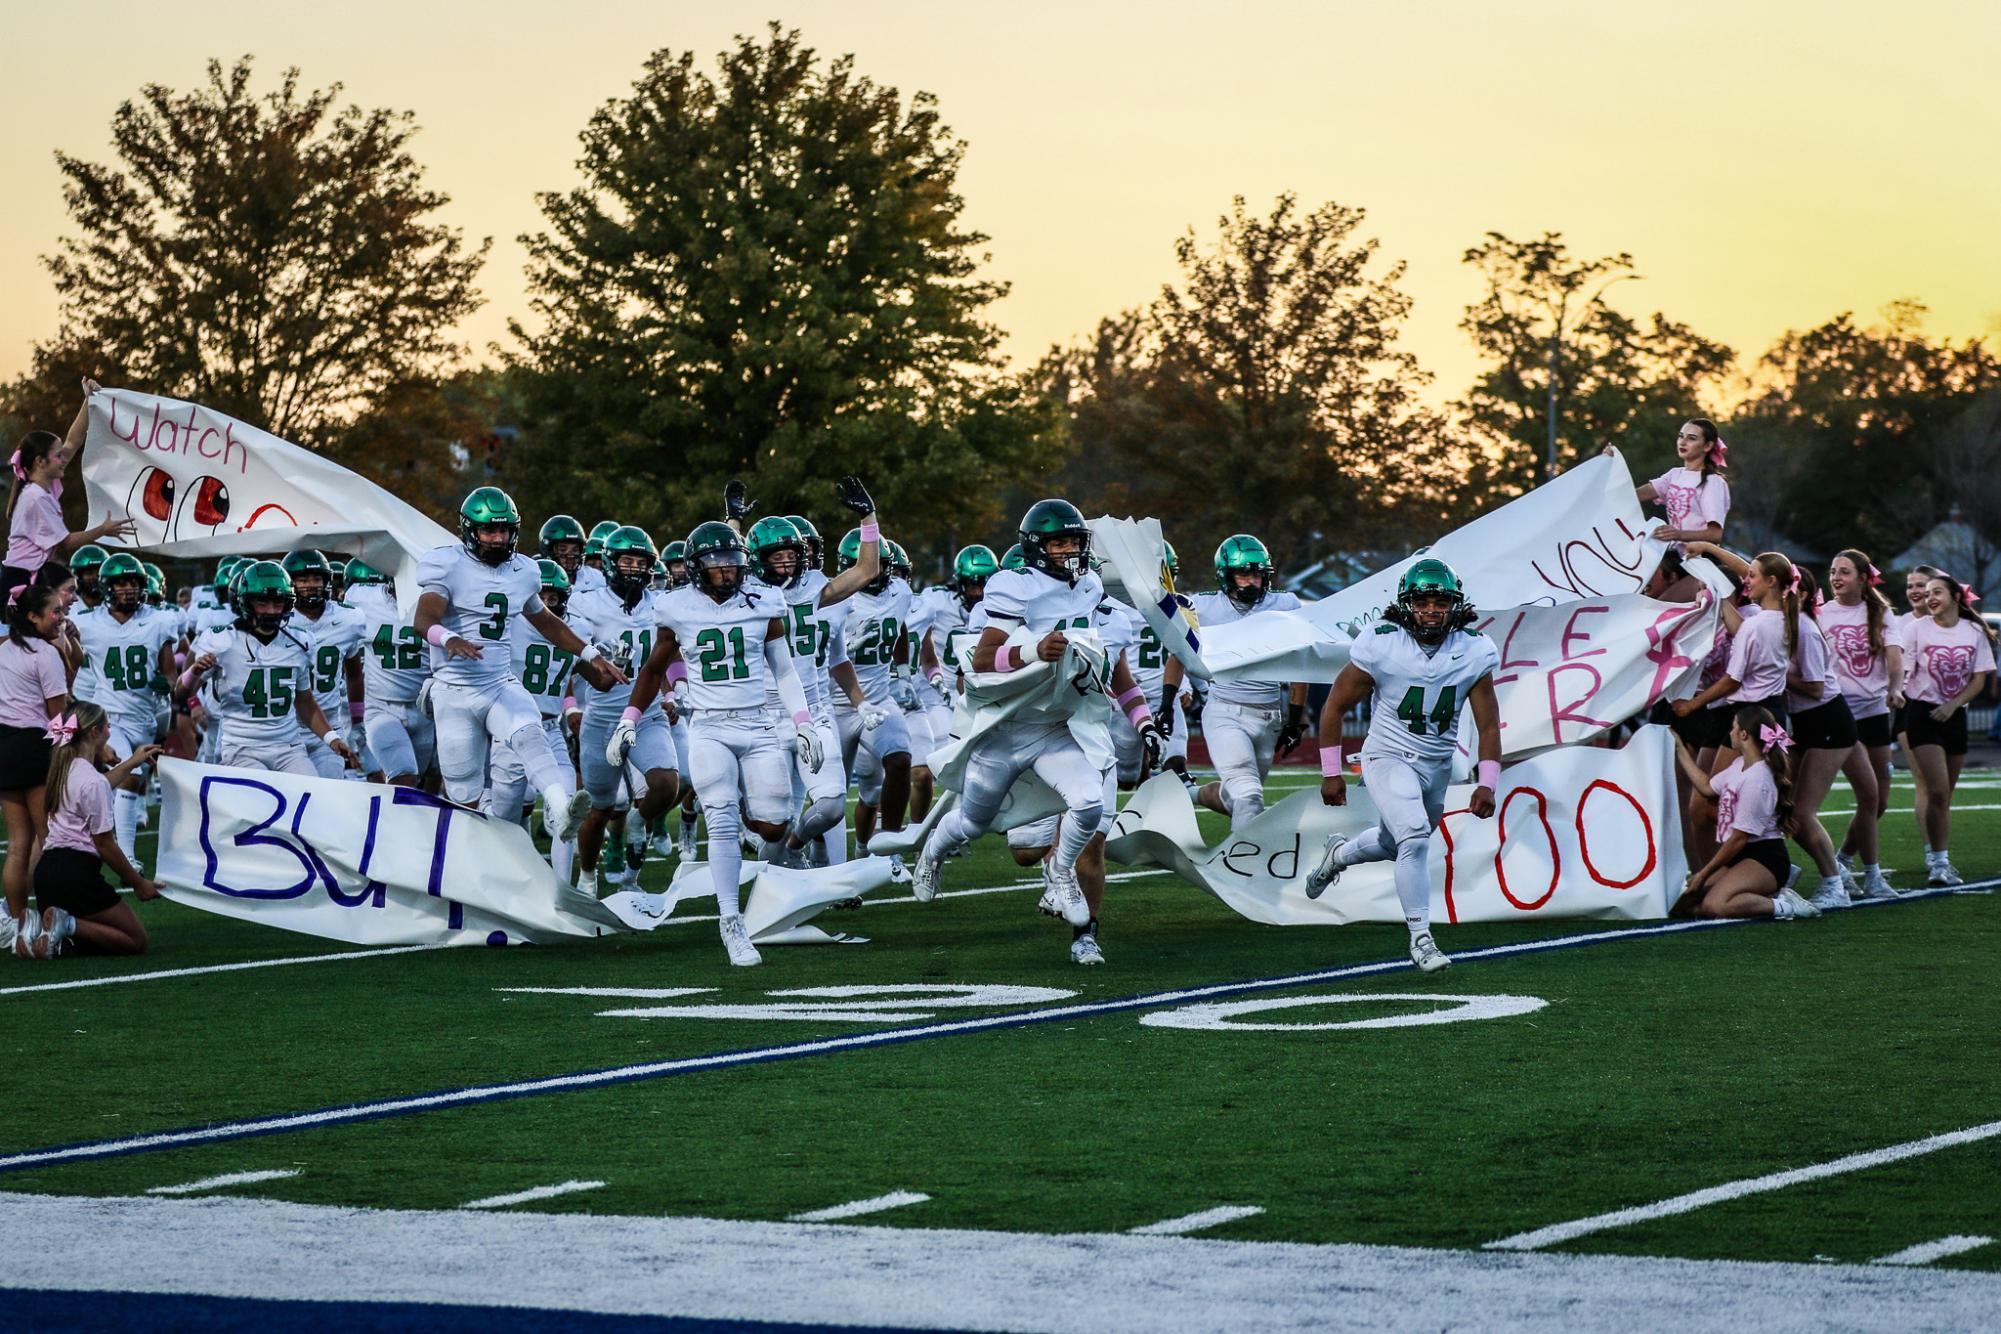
[(1444, 714)]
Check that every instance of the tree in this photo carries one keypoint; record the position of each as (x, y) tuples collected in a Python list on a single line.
[(1265, 392), (269, 257), (1544, 319), (765, 273)]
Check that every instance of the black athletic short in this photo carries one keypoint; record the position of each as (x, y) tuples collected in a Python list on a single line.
[(73, 881), (1920, 729), (1708, 729), (1769, 853), (24, 758), (1875, 729), (1826, 726)]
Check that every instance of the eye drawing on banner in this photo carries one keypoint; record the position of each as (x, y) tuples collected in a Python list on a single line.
[(203, 508)]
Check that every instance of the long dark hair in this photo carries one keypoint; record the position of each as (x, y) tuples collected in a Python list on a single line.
[(1710, 435), (29, 600), (1960, 595), (1779, 566), (34, 447), (89, 717), (1873, 601), (1750, 719)]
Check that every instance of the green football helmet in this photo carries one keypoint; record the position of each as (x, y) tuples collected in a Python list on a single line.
[(628, 563), (850, 555), (360, 572), (312, 580), (1169, 562), (675, 557), (1244, 554), (899, 561), (560, 528), (87, 564), (769, 541), (816, 550), (555, 585), (1434, 581), (971, 569), (489, 507), (225, 573), (262, 581), (1014, 560), (594, 544), (123, 580), (717, 549), (1045, 521), (156, 583)]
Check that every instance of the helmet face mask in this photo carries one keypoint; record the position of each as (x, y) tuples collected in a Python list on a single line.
[(1431, 603), (1244, 570), (629, 558), (310, 592), (263, 598), (127, 592), (489, 525), (777, 551), (1056, 540), (718, 560)]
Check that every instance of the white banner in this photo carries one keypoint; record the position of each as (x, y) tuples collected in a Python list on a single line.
[(198, 483), (379, 865), (1577, 537), (1578, 832)]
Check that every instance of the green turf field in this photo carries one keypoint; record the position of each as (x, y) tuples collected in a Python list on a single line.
[(1659, 1062)]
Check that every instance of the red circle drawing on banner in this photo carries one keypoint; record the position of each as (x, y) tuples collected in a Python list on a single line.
[(1584, 843), (262, 510), (1445, 828), (1555, 854)]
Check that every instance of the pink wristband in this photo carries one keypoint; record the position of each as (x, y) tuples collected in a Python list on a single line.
[(677, 671), (1007, 658), (1126, 700), (437, 634), (188, 679), (1330, 761), (1490, 775), (801, 718), (1137, 713), (871, 531), (629, 715)]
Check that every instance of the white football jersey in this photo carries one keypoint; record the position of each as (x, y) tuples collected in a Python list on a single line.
[(1415, 712), (722, 643), (126, 655), (1217, 609), (543, 668), (256, 684), (334, 638), (952, 637), (481, 603), (875, 622), (819, 635), (1042, 602), (625, 634), (589, 577), (394, 661)]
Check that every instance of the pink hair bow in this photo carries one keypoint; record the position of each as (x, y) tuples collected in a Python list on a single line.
[(15, 462), (1718, 454), (1772, 737), (1967, 596), (1875, 577), (14, 596), (1794, 586), (62, 729)]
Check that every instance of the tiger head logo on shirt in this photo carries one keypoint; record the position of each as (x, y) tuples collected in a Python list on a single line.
[(1950, 666), (1851, 646)]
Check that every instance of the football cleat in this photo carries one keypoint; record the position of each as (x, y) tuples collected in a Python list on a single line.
[(1069, 895), (924, 878), (638, 838), (688, 849), (1327, 870), (1084, 949), (563, 811), (1424, 952), (736, 940)]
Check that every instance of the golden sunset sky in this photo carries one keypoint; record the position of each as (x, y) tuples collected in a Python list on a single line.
[(1768, 164)]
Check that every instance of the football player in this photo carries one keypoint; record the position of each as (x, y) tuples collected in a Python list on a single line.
[(1246, 723), (562, 541), (1418, 669), (733, 641), (472, 591), (334, 635), (399, 738), (263, 679), (875, 633), (544, 670), (132, 646)]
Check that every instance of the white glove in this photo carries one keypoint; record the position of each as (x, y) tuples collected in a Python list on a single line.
[(806, 745), (681, 699), (872, 718), (619, 744), (905, 693), (357, 737), (938, 684)]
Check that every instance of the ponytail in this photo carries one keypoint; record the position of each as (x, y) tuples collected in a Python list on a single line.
[(34, 447), (88, 718), (1777, 566), (1874, 603), (1752, 720), (31, 599)]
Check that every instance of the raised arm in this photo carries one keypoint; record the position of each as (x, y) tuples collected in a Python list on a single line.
[(868, 563)]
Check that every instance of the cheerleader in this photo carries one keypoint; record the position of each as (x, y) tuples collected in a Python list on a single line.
[(34, 687), (1753, 795), (1948, 658), (1695, 496), (35, 527), (1918, 602), (1869, 668), (1824, 730), (77, 905)]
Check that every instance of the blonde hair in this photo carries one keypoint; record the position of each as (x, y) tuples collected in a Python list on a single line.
[(89, 717)]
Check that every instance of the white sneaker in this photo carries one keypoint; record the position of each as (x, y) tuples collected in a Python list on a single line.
[(1832, 894), (1084, 950), (1946, 876), (1326, 871), (1799, 909), (27, 934), (1875, 887), (8, 929), (1424, 952), (736, 940), (1069, 895), (924, 878), (60, 928)]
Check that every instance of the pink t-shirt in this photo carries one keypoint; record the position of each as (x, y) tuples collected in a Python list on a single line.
[(1812, 662), (37, 529), (1863, 676), (1940, 662), (1758, 656), (86, 809), (29, 678), (1692, 500), (1747, 801)]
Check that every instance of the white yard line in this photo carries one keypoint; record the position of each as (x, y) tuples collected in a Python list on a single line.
[(1557, 1233), (205, 969), (222, 1182), (1197, 1222), (896, 1199), (1943, 1248), (530, 1196), (858, 1275)]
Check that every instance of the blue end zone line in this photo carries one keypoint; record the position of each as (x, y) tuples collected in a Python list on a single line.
[(628, 1074)]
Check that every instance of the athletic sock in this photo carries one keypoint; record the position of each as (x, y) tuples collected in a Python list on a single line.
[(562, 857), (1871, 870), (125, 821), (1089, 928), (1078, 828), (725, 864)]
